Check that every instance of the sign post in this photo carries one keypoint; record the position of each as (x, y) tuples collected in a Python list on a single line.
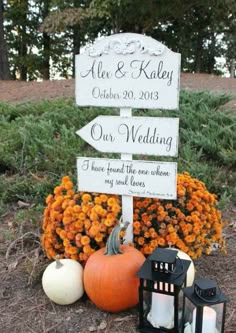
[(129, 71), (127, 200)]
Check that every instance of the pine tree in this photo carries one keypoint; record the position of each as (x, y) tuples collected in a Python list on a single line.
[(4, 64)]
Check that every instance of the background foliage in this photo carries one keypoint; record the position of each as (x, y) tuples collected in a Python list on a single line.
[(38, 145)]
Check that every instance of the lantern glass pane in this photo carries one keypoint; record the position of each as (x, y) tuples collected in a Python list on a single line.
[(212, 319), (159, 310), (180, 306), (147, 298), (219, 309), (189, 310)]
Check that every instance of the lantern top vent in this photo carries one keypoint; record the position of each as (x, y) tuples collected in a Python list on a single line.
[(206, 288), (163, 256), (205, 292), (163, 265)]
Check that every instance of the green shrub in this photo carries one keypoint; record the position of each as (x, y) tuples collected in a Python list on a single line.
[(38, 144)]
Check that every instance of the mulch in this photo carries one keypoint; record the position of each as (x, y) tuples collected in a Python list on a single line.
[(24, 308), (20, 91)]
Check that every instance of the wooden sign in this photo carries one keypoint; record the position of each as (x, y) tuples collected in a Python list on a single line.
[(128, 70), (133, 135), (132, 178)]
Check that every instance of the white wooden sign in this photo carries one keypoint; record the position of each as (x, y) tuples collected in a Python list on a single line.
[(133, 178), (128, 70), (133, 135)]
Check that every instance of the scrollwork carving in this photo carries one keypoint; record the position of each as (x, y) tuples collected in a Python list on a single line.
[(125, 46)]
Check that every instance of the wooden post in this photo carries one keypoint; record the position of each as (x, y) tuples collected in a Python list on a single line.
[(127, 200)]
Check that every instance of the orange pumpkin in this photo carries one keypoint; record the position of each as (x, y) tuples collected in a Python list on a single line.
[(110, 279)]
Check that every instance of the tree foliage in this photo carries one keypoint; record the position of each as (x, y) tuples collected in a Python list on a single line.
[(44, 36)]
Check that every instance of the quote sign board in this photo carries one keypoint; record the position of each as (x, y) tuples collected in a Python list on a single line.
[(133, 135), (132, 178), (128, 70)]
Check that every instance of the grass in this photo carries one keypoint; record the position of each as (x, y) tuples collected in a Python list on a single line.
[(38, 145)]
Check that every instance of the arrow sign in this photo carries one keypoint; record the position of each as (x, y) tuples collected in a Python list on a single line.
[(133, 178), (136, 135)]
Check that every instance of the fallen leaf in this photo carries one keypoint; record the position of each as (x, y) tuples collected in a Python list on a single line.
[(39, 179), (124, 318), (102, 325), (22, 204), (12, 266), (233, 209)]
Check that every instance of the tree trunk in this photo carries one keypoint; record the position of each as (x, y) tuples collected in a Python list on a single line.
[(211, 55), (23, 67), (76, 39), (4, 65), (198, 59), (46, 45), (76, 45), (23, 48), (232, 67), (46, 57)]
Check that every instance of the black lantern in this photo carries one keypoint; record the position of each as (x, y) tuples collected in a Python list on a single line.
[(205, 308), (162, 276)]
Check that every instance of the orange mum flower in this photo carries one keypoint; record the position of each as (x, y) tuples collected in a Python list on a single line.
[(87, 249), (58, 190), (49, 199), (68, 185), (76, 209), (86, 197), (103, 197), (98, 201), (108, 222), (111, 202), (116, 208), (190, 238), (99, 237), (76, 224), (82, 216), (72, 250), (161, 241), (141, 240), (85, 240)]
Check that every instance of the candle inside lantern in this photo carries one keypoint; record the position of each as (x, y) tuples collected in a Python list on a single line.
[(162, 311), (208, 320)]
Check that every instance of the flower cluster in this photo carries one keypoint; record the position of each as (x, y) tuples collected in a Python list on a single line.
[(77, 224), (191, 223)]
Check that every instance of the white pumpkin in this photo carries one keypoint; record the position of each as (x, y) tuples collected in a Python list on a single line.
[(63, 281), (191, 269)]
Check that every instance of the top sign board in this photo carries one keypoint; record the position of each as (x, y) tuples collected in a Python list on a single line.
[(128, 70)]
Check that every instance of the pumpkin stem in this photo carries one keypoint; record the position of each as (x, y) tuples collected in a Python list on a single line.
[(113, 242), (58, 263)]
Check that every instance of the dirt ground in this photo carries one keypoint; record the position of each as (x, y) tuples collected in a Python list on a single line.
[(19, 91), (24, 308)]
